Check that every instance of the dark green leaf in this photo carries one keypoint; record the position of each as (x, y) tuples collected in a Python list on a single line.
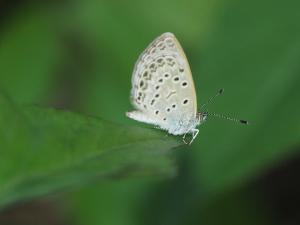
[(43, 150)]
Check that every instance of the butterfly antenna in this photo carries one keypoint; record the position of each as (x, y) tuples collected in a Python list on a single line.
[(228, 118), (210, 100)]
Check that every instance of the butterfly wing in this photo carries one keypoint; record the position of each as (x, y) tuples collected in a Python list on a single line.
[(163, 90)]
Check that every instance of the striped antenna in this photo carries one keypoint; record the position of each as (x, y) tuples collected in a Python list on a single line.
[(211, 99), (227, 118)]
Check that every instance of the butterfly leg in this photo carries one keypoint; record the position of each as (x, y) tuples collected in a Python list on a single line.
[(194, 135), (183, 138)]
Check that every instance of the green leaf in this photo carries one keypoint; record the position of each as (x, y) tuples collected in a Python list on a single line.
[(43, 150), (254, 54)]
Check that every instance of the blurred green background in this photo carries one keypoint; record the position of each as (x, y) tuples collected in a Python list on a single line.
[(78, 56)]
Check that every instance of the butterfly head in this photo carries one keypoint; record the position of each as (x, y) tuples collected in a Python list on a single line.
[(202, 117)]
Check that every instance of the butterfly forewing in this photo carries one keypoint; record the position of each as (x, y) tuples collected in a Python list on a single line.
[(162, 86)]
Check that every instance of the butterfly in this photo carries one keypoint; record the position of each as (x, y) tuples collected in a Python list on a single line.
[(163, 91)]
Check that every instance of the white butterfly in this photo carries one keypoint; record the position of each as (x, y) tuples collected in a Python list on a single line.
[(163, 91)]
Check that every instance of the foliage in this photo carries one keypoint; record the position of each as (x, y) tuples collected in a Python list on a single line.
[(78, 56)]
